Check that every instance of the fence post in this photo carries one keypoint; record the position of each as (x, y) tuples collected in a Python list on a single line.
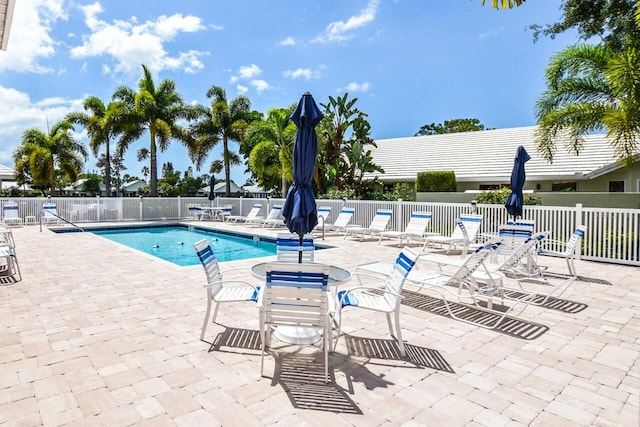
[(179, 209), (140, 208), (578, 223), (400, 215)]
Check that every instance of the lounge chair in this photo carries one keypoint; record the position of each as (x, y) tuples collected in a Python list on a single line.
[(378, 224), (463, 287), (288, 247), (50, 214), (415, 229), (274, 218), (219, 290), (469, 223), (341, 222), (10, 268), (10, 214), (251, 216), (296, 295), (385, 300), (195, 211), (566, 250), (323, 217)]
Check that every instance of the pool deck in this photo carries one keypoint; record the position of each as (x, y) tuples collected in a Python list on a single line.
[(99, 334)]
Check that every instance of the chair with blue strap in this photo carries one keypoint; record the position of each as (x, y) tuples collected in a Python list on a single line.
[(378, 225), (288, 247), (10, 214), (471, 224), (219, 290), (385, 300), (296, 295), (415, 229), (566, 250), (50, 214)]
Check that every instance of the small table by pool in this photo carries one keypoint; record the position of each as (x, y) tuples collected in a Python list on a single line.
[(295, 334)]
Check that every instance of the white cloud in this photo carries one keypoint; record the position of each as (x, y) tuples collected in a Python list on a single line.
[(289, 41), (29, 38), (249, 71), (355, 87), (131, 43), (260, 85), (19, 113), (242, 89), (305, 73), (342, 30)]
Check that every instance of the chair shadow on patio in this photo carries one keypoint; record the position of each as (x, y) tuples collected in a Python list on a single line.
[(509, 325), (245, 339), (387, 349)]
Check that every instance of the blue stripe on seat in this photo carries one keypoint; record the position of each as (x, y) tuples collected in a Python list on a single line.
[(469, 219), (348, 299)]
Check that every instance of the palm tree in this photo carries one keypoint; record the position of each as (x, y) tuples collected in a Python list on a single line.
[(157, 110), (102, 127), (44, 155), (274, 137), (590, 88), (222, 122), (505, 3), (145, 172)]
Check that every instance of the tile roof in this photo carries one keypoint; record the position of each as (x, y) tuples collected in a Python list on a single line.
[(487, 156)]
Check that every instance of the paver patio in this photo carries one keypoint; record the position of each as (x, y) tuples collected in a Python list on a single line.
[(99, 334)]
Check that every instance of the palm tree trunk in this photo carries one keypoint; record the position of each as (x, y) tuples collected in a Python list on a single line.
[(153, 167), (227, 169), (107, 169), (284, 186)]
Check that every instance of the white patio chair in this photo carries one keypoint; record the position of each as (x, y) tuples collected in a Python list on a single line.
[(195, 211), (415, 229), (296, 295), (471, 225), (323, 217), (10, 214), (251, 216), (378, 224), (10, 268), (463, 286), (219, 290), (274, 218), (566, 250), (386, 300), (341, 222), (288, 247), (50, 215)]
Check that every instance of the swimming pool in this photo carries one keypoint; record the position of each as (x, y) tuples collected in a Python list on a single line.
[(174, 243)]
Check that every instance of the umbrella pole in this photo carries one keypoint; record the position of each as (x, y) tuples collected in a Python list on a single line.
[(301, 236)]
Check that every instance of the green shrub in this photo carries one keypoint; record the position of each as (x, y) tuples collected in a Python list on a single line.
[(499, 197), (436, 181)]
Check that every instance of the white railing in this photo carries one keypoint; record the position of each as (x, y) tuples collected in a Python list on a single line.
[(613, 235)]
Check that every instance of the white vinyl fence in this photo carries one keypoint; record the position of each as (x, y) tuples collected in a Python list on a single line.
[(613, 235)]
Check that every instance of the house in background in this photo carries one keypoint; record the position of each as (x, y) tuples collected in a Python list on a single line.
[(132, 188), (483, 160)]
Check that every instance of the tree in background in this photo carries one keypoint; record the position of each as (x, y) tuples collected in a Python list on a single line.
[(590, 88), (611, 21), (42, 155), (451, 126), (158, 110), (271, 158), (102, 125), (343, 154), (91, 184), (224, 121)]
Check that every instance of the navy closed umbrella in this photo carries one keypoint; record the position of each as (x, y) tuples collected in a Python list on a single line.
[(212, 184), (299, 210), (516, 199)]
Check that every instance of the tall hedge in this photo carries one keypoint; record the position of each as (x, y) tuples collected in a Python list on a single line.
[(436, 181)]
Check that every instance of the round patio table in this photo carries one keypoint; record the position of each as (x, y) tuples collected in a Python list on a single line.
[(297, 334)]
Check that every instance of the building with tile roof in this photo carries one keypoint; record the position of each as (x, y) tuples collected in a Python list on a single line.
[(483, 160)]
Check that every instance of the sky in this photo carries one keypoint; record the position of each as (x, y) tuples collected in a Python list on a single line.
[(408, 62)]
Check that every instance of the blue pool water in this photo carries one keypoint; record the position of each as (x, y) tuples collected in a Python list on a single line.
[(175, 244)]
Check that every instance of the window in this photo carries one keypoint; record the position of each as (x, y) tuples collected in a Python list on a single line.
[(564, 186), (616, 186), (489, 187)]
